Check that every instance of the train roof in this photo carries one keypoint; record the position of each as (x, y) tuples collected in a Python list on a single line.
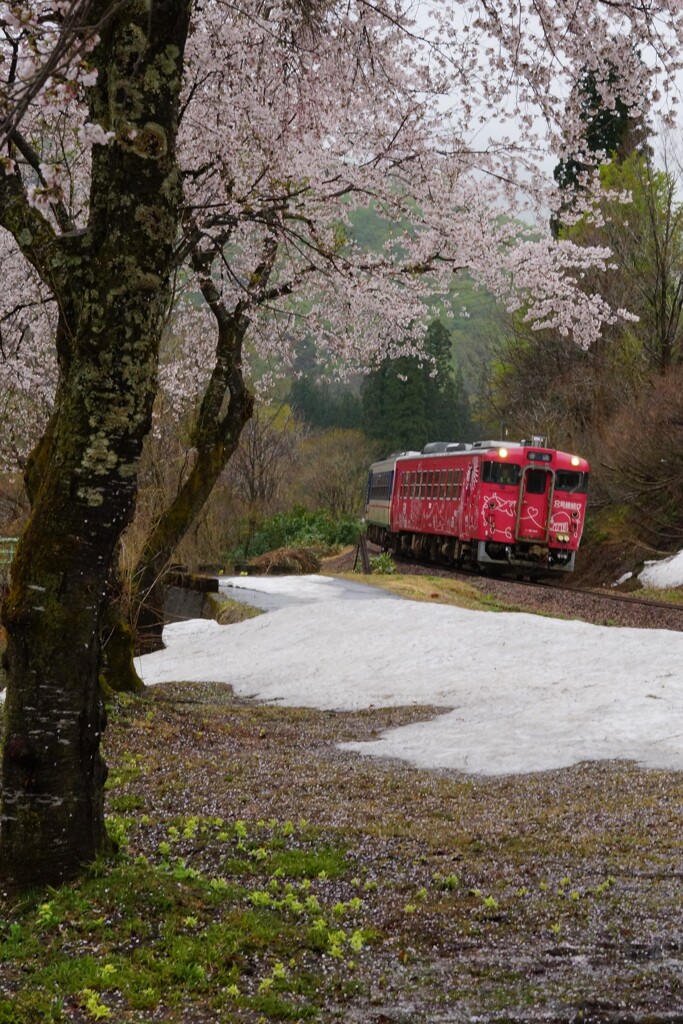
[(440, 447), (436, 448)]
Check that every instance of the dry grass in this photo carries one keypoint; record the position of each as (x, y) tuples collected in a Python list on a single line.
[(292, 561), (432, 589)]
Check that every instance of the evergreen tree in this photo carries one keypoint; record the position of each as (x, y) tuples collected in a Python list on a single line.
[(325, 406), (446, 400), (408, 402), (618, 129)]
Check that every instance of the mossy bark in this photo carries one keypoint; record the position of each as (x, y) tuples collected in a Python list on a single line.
[(111, 282)]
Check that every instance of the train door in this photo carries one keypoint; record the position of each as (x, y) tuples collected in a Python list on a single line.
[(535, 504), (469, 507)]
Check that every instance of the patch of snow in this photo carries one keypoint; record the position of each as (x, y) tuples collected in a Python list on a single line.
[(622, 579), (664, 574), (517, 692)]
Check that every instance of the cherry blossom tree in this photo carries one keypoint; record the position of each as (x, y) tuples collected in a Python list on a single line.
[(109, 276), (218, 150)]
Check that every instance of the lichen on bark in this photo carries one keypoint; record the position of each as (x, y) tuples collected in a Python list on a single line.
[(112, 289)]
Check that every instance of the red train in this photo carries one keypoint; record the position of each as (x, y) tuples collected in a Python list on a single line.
[(496, 505)]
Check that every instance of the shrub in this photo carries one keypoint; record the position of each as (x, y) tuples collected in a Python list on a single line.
[(300, 528), (382, 564)]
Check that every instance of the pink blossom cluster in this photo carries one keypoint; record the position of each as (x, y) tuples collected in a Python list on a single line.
[(44, 63), (438, 117)]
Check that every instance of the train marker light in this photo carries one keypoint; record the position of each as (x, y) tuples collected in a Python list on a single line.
[(576, 461), (503, 453)]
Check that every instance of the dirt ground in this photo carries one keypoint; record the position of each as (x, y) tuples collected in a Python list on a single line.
[(549, 897)]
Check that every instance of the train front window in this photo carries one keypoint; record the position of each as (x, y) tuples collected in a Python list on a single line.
[(501, 473), (536, 480), (571, 482)]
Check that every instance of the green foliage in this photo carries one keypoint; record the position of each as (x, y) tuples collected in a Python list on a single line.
[(382, 564), (408, 402), (545, 383), (301, 528), (618, 129), (325, 405), (371, 230), (262, 932), (227, 612)]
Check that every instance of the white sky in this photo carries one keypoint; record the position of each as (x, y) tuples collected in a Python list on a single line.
[(518, 692)]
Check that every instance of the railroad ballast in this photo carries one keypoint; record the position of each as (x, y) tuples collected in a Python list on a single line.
[(490, 504)]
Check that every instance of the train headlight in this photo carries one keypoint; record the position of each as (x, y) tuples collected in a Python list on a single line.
[(576, 461), (503, 453)]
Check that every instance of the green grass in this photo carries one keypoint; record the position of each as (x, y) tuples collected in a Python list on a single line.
[(261, 931), (669, 596)]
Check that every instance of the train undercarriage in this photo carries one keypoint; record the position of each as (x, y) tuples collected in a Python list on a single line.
[(524, 558)]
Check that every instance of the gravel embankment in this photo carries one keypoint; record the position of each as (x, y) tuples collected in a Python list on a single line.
[(603, 609)]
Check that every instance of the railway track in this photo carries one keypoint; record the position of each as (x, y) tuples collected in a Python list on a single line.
[(555, 598), (602, 595)]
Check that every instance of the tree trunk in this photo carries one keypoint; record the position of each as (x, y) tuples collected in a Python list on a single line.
[(215, 438), (168, 533), (113, 291)]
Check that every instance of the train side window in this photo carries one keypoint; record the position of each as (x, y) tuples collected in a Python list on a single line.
[(423, 483), (449, 484), (380, 486), (430, 483), (443, 484), (536, 480), (570, 481)]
